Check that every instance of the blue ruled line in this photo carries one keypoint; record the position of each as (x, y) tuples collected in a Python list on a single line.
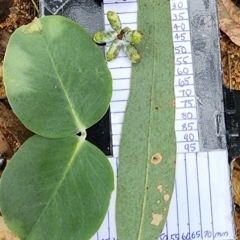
[(176, 192), (210, 194), (106, 3), (186, 178)]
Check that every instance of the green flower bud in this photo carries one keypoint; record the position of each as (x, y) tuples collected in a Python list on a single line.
[(137, 36), (105, 36), (133, 36), (114, 50), (114, 21), (126, 29), (132, 53), (121, 37), (123, 31)]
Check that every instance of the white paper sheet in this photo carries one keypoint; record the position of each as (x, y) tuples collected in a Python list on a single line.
[(201, 206)]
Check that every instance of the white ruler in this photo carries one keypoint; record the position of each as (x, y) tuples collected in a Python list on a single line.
[(201, 206)]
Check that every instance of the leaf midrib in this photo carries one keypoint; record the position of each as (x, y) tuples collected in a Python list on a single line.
[(78, 145), (80, 125), (148, 137)]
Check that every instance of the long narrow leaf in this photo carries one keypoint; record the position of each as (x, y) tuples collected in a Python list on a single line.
[(148, 145)]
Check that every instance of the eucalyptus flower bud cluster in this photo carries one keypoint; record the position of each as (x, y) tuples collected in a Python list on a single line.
[(121, 38)]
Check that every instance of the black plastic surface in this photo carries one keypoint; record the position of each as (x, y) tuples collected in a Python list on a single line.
[(206, 57), (232, 120)]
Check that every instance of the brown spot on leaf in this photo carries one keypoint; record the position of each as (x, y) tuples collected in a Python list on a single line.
[(160, 188), (33, 27), (166, 197), (156, 219), (174, 103), (156, 158)]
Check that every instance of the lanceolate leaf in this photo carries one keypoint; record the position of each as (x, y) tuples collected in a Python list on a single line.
[(56, 78), (148, 145), (56, 189)]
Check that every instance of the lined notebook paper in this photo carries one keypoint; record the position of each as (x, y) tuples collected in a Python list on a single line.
[(201, 206)]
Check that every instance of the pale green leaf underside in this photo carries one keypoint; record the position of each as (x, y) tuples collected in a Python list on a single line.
[(56, 189), (56, 79), (148, 145)]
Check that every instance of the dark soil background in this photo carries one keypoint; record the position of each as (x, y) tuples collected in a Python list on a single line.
[(13, 14)]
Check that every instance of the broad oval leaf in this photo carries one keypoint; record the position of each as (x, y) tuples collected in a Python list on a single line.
[(56, 78), (56, 189), (147, 151)]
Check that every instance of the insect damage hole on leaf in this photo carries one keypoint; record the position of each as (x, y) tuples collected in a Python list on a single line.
[(156, 219), (156, 158)]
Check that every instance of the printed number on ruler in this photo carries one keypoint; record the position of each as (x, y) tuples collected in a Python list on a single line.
[(194, 235), (186, 116)]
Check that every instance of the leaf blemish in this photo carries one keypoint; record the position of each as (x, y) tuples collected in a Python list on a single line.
[(156, 158), (160, 188), (98, 73), (34, 26), (156, 219), (166, 197)]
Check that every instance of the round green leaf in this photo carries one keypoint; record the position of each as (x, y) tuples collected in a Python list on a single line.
[(56, 78), (56, 189)]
